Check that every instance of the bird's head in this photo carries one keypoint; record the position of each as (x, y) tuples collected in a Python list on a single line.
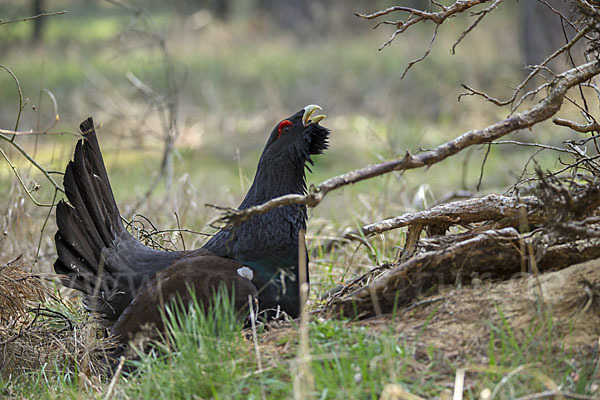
[(298, 137)]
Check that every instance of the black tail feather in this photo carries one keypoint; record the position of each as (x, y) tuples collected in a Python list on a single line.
[(88, 226), (93, 157), (79, 210), (75, 233), (87, 186), (96, 255)]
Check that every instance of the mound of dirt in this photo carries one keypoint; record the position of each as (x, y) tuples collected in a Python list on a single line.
[(458, 321)]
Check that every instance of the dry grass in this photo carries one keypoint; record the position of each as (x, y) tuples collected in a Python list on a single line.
[(38, 330), (18, 289)]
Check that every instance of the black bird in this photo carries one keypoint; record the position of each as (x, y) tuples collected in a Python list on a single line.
[(125, 282)]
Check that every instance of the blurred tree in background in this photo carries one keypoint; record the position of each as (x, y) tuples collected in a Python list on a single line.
[(541, 30), (37, 7)]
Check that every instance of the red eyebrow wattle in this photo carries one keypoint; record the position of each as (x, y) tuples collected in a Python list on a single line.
[(282, 125)]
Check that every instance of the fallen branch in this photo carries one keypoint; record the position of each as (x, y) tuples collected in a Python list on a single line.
[(504, 210), (541, 111), (492, 254), (489, 208), (570, 236)]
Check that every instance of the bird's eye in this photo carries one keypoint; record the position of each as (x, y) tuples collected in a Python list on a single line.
[(283, 127)]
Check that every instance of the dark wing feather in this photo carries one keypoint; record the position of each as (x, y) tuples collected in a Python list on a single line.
[(201, 273)]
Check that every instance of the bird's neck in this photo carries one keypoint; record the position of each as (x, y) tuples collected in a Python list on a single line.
[(272, 181), (277, 231), (269, 243)]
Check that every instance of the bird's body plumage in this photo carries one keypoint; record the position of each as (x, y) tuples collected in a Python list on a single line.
[(125, 282)]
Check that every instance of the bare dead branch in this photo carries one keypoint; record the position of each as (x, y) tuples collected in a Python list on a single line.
[(583, 160), (536, 69), (22, 183), (489, 254), (32, 132), (415, 61), (482, 168), (582, 128), (473, 92), (48, 14), (437, 17), (566, 235), (559, 14), (416, 15), (529, 93), (4, 135), (481, 15), (538, 145), (488, 208), (25, 154), (541, 111), (32, 161), (589, 8), (19, 91)]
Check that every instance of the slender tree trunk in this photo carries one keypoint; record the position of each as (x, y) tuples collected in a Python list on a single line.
[(37, 7)]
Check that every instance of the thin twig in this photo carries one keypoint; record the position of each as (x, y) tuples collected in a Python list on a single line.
[(420, 15), (416, 15), (534, 72), (559, 14), (485, 157), (34, 162), (179, 230), (538, 145), (413, 62), (481, 14), (19, 91), (47, 14), (14, 169), (39, 246)]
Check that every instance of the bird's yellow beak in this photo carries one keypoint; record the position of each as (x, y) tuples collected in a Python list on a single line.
[(308, 112)]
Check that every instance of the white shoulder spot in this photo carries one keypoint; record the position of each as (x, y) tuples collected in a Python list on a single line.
[(245, 272)]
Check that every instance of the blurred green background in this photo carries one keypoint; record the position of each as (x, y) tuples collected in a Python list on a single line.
[(220, 74)]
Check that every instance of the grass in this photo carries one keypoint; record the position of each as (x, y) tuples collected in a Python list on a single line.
[(534, 360), (211, 355), (236, 82)]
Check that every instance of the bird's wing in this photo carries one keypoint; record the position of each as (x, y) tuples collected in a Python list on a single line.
[(195, 277)]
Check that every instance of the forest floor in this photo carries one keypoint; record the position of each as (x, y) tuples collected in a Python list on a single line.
[(525, 338)]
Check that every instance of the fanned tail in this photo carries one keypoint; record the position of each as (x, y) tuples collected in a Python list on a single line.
[(96, 254)]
